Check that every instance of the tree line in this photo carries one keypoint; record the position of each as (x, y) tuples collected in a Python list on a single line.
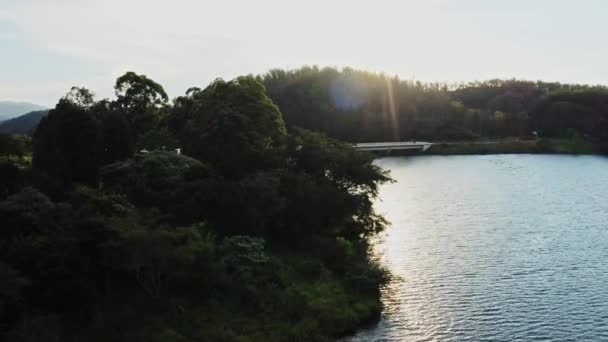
[(255, 231), (360, 106)]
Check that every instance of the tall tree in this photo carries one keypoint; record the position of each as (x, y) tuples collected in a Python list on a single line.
[(78, 136), (141, 100), (232, 125), (67, 143)]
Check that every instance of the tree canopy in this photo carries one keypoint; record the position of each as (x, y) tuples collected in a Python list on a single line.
[(360, 106), (230, 124), (141, 100), (250, 233)]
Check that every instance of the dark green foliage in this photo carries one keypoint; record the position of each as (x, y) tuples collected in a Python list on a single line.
[(244, 258), (67, 143), (80, 97), (330, 178), (138, 91), (12, 179), (232, 125), (80, 135), (12, 284), (101, 264), (359, 106), (158, 140), (14, 145), (25, 212), (165, 261), (117, 141), (263, 236), (140, 99), (154, 179), (572, 114)]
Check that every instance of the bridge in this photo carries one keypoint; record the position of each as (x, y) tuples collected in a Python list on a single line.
[(390, 146)]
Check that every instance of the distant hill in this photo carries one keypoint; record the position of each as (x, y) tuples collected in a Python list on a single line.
[(24, 124), (11, 109)]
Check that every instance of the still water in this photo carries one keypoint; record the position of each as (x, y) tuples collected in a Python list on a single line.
[(495, 248)]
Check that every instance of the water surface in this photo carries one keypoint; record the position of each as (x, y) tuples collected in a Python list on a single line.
[(495, 248)]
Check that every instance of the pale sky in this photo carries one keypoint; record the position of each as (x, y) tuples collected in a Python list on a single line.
[(47, 46)]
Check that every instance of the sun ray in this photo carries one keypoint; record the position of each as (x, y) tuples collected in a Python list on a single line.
[(392, 110)]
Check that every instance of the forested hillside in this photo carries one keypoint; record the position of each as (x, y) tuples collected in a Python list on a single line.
[(361, 106), (255, 232)]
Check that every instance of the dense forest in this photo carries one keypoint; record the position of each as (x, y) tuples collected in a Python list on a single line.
[(200, 219), (360, 106)]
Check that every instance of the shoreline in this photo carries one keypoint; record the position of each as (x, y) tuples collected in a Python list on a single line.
[(507, 146)]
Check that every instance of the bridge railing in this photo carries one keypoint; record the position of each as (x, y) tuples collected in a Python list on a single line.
[(387, 146)]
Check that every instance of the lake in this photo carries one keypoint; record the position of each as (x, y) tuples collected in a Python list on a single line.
[(494, 248)]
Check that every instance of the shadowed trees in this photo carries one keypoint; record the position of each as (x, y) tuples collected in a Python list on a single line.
[(233, 125), (141, 100), (238, 238), (357, 106), (80, 134), (67, 143), (14, 145)]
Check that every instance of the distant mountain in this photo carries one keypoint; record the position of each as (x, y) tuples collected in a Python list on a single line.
[(24, 124), (10, 109)]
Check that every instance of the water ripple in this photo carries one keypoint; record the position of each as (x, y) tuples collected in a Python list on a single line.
[(495, 248)]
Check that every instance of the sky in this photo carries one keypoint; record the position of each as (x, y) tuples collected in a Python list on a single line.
[(48, 46)]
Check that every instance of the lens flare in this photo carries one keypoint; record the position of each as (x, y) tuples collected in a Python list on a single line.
[(392, 110)]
